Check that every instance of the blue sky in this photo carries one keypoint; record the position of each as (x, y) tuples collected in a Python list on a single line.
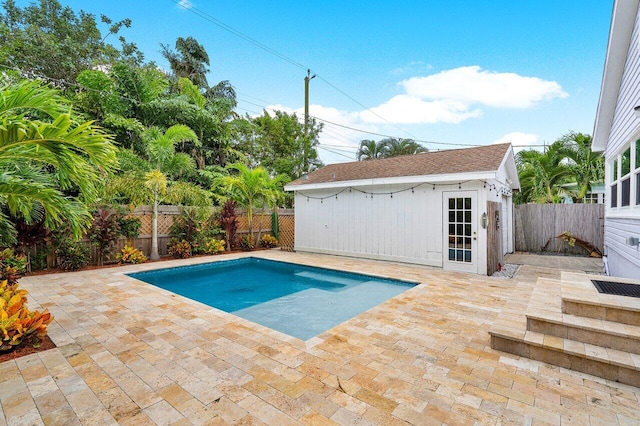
[(448, 71)]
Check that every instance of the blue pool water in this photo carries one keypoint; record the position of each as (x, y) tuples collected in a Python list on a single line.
[(300, 301)]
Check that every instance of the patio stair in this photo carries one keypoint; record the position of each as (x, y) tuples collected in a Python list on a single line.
[(569, 324)]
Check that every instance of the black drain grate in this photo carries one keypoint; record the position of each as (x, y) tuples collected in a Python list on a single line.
[(619, 289)]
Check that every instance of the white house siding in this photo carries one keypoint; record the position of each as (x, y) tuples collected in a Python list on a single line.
[(623, 259), (625, 124), (405, 228)]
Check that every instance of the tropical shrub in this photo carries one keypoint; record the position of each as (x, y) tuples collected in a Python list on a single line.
[(38, 261), (246, 242), (71, 254), (268, 241), (12, 266), (180, 249), (229, 221), (18, 325), (129, 226), (187, 225), (104, 232), (196, 226), (275, 224), (214, 246), (131, 255)]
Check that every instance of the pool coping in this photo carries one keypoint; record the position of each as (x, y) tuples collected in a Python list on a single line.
[(129, 356)]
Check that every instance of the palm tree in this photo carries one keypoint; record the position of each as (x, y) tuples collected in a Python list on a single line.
[(542, 173), (370, 150), (47, 152), (189, 61), (155, 182), (251, 188), (396, 147), (587, 166)]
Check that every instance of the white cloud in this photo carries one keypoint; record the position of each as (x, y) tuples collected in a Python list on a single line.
[(450, 96), (185, 4), (455, 95), (408, 109), (519, 140), (271, 109)]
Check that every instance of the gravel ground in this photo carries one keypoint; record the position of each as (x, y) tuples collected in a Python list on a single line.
[(508, 271)]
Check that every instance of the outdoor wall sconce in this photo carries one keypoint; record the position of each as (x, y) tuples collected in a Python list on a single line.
[(484, 221), (637, 111)]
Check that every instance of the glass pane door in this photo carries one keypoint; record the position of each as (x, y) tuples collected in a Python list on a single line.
[(460, 231), (460, 215)]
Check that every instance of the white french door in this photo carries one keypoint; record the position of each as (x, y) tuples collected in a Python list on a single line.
[(460, 229)]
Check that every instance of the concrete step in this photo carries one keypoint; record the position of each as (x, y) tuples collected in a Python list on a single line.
[(598, 332), (621, 310), (608, 363)]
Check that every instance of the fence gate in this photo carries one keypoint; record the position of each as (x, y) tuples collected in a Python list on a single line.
[(494, 237)]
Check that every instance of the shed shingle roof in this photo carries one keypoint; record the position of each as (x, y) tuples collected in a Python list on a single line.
[(468, 160)]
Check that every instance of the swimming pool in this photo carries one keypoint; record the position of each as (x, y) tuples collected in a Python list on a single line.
[(297, 300)]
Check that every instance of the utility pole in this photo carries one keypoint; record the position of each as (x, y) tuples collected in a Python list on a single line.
[(306, 146), (308, 78)]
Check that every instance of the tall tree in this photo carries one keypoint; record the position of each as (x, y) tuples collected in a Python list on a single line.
[(251, 188), (280, 143), (370, 149), (190, 60), (211, 121), (542, 173), (51, 161), (396, 147), (587, 166), (158, 181), (51, 40)]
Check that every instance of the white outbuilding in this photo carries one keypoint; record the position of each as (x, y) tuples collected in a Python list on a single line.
[(451, 209)]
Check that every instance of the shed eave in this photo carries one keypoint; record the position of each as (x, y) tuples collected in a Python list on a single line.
[(448, 177)]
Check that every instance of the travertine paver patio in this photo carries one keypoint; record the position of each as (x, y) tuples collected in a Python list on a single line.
[(131, 353)]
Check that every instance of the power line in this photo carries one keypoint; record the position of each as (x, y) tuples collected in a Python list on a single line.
[(360, 130), (394, 137), (80, 86), (335, 152), (204, 15)]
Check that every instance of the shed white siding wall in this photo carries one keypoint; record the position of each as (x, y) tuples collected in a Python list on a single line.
[(623, 259), (405, 228)]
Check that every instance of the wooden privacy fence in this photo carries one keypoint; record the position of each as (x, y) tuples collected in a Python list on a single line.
[(535, 224), (166, 216)]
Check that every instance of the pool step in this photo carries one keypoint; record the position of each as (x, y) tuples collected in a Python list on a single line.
[(326, 278), (319, 309)]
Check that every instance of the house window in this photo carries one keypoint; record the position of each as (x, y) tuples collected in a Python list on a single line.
[(591, 198), (624, 190), (636, 171)]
